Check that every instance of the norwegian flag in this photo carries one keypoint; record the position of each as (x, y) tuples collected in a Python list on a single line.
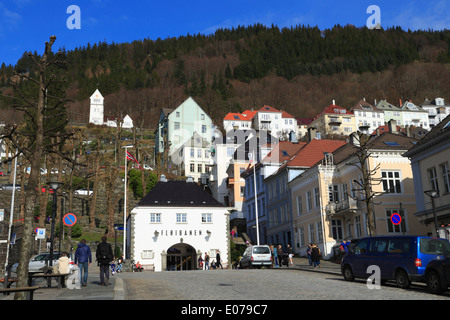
[(130, 157)]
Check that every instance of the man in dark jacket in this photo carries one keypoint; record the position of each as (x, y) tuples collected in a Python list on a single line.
[(104, 256), (83, 259)]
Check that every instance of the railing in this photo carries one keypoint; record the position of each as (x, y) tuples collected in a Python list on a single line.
[(184, 261), (349, 204)]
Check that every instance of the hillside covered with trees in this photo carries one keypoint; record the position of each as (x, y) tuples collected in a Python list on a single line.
[(299, 69)]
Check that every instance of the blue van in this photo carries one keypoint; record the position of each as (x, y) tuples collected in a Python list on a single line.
[(402, 259)]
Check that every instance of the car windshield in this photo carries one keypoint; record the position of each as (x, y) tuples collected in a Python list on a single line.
[(435, 246), (43, 257), (263, 250)]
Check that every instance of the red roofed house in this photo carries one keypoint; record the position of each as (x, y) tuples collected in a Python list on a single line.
[(278, 123)]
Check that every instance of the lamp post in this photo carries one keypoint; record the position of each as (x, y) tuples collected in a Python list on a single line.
[(55, 186), (125, 205), (433, 194)]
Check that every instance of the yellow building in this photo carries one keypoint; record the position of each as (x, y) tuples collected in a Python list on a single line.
[(334, 120), (328, 202)]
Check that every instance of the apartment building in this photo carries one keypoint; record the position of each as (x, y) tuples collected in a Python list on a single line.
[(367, 117), (334, 120)]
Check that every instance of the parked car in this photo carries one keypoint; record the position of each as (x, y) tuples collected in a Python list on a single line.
[(256, 256), (402, 259), (83, 192), (437, 274), (10, 187), (39, 261)]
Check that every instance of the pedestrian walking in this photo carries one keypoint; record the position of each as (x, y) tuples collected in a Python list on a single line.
[(104, 256), (206, 261), (290, 252), (308, 253), (48, 242), (218, 261), (83, 259), (315, 255), (280, 255), (274, 255)]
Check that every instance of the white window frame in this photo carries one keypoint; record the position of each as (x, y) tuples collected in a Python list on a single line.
[(181, 217)]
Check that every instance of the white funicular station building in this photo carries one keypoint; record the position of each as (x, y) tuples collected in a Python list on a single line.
[(175, 224)]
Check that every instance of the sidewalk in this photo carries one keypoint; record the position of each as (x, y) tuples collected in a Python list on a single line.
[(325, 266), (93, 290)]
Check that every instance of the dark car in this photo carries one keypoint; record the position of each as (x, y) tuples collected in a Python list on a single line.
[(402, 259), (437, 275)]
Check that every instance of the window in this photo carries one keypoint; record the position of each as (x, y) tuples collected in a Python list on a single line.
[(202, 116), (155, 217), (177, 125), (299, 205), (178, 114), (336, 229), (199, 153), (206, 217), (361, 246), (378, 245), (192, 167), (433, 179), (392, 228), (309, 201), (199, 168), (242, 191), (203, 128), (319, 231), (181, 217), (344, 192), (358, 226), (391, 181), (311, 233), (230, 151), (301, 236), (446, 176), (192, 152), (333, 193), (316, 197)]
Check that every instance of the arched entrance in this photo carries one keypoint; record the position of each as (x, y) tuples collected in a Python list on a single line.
[(181, 256)]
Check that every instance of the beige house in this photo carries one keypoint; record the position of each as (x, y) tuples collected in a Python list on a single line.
[(430, 160), (334, 120), (328, 203)]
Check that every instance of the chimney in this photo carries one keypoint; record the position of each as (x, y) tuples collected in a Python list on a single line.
[(378, 131), (311, 133), (334, 102), (408, 131), (400, 102), (392, 126)]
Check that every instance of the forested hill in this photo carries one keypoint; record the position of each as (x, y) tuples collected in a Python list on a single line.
[(299, 69)]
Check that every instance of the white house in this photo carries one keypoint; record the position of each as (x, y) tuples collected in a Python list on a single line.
[(414, 115), (367, 117), (175, 224), (437, 110)]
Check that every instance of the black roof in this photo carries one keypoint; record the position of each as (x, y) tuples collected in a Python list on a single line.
[(178, 194)]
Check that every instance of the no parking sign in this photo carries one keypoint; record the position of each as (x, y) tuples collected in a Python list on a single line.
[(70, 220)]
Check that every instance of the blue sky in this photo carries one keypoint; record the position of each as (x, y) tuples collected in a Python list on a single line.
[(26, 24)]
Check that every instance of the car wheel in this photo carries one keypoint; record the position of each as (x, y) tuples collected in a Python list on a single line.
[(348, 274), (402, 279), (434, 283)]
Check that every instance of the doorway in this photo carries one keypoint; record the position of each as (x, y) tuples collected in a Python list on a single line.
[(181, 257)]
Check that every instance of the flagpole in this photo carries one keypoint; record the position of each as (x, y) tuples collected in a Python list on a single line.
[(256, 198), (125, 206)]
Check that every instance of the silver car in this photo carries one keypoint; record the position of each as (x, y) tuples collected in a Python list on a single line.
[(38, 262), (9, 187), (256, 256)]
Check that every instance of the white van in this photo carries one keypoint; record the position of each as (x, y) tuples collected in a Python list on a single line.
[(256, 256)]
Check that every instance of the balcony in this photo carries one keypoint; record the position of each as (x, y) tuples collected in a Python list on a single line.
[(348, 206), (333, 121)]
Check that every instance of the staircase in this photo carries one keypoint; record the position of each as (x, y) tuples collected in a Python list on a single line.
[(241, 240)]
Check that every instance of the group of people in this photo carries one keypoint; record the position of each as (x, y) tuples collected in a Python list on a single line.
[(214, 264), (278, 255), (314, 255)]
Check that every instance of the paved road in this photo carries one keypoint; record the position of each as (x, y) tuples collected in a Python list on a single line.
[(265, 284)]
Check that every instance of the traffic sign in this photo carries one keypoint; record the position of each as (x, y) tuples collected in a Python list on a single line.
[(396, 219), (70, 220), (40, 233)]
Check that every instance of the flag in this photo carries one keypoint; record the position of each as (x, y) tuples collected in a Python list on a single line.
[(130, 157)]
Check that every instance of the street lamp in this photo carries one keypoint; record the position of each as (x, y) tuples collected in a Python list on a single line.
[(55, 186), (433, 194)]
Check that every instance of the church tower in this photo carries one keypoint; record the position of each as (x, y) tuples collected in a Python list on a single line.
[(96, 110)]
